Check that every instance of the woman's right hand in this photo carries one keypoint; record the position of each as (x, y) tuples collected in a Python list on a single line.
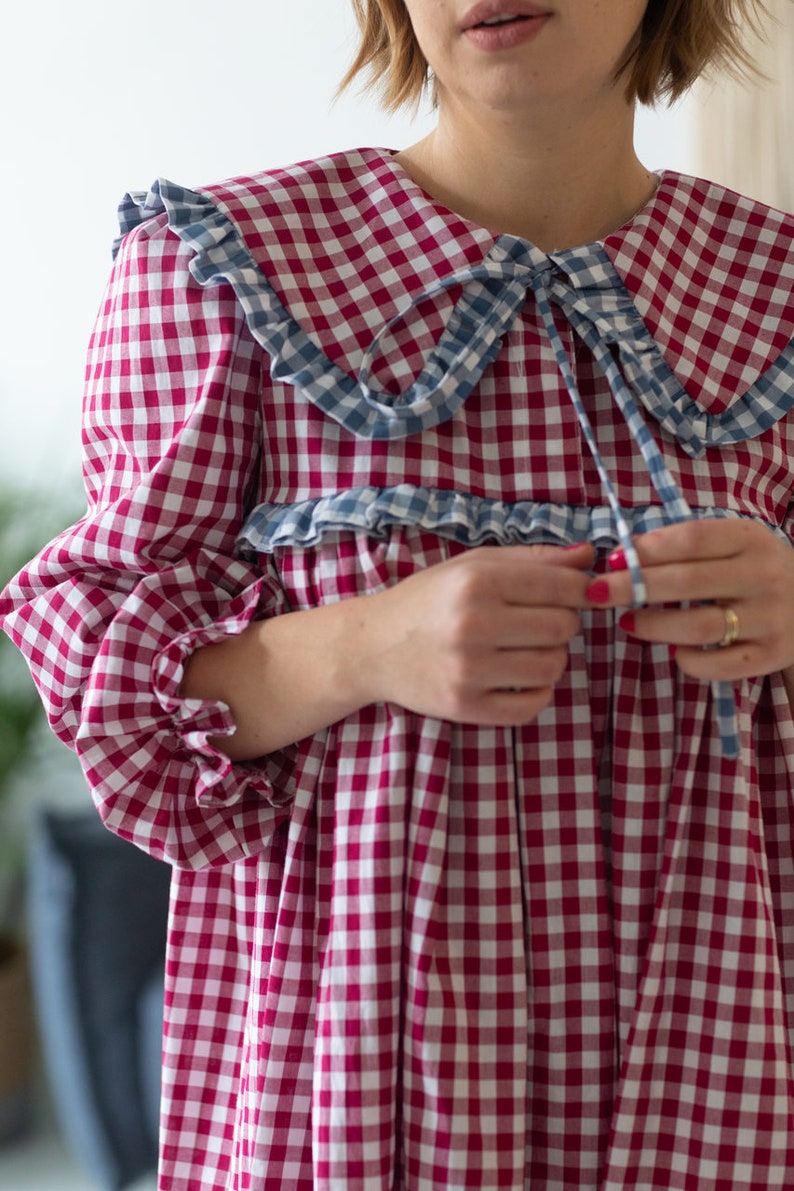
[(482, 638)]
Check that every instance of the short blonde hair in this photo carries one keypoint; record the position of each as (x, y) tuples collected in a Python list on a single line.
[(679, 41)]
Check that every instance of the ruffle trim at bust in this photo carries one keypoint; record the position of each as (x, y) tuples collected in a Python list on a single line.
[(461, 517)]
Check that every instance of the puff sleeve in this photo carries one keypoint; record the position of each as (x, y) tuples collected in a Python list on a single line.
[(108, 612)]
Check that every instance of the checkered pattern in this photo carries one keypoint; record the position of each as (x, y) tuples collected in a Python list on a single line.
[(470, 520), (405, 954)]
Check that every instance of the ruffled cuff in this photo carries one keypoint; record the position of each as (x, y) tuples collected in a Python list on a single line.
[(220, 781)]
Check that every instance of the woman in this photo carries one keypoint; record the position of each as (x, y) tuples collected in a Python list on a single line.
[(467, 469)]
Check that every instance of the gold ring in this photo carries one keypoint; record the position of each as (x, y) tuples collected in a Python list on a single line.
[(731, 634)]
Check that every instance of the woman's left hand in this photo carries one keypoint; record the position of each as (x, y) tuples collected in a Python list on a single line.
[(738, 578)]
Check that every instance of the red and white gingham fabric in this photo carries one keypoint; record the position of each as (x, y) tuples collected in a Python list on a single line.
[(404, 954)]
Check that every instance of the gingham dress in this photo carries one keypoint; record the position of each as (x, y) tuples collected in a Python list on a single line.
[(406, 954)]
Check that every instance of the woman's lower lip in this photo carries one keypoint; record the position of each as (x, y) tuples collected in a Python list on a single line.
[(504, 37)]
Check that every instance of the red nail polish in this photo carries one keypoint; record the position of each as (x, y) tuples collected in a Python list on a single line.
[(574, 546), (598, 592), (626, 622), (617, 560)]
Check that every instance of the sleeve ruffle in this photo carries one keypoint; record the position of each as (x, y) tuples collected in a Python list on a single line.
[(189, 608), (111, 690), (107, 613)]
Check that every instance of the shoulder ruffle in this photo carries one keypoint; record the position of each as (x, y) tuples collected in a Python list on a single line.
[(468, 345)]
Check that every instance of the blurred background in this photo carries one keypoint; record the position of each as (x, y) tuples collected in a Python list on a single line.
[(99, 99)]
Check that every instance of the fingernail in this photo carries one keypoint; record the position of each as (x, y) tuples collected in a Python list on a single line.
[(598, 592), (575, 546), (626, 622), (617, 560)]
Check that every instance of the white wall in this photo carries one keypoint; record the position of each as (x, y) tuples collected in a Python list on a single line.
[(100, 97)]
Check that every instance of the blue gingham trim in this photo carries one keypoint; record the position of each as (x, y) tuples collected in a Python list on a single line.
[(459, 516), (598, 306), (469, 344), (472, 521), (583, 283)]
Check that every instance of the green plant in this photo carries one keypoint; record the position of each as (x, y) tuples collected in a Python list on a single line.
[(20, 709), (27, 522)]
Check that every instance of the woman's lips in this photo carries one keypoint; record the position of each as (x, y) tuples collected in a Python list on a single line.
[(518, 21)]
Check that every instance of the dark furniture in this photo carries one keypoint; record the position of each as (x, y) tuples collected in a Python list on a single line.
[(98, 909)]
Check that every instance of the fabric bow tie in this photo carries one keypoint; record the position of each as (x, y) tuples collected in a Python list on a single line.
[(584, 285)]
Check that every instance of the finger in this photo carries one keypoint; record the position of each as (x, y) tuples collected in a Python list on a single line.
[(486, 630), (548, 576), (520, 575), (697, 635), (701, 540), (579, 555), (509, 709), (525, 573), (704, 627), (726, 582), (534, 628), (743, 660), (702, 560), (511, 687), (526, 669)]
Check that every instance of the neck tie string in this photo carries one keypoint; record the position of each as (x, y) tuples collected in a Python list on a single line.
[(494, 292)]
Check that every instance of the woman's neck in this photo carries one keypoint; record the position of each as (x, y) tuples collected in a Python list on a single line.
[(556, 184)]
